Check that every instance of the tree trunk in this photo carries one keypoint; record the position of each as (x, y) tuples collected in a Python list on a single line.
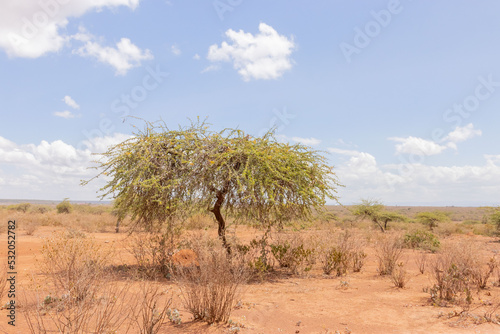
[(117, 229), (220, 220), (379, 225)]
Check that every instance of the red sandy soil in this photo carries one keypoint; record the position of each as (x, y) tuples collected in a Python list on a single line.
[(290, 304)]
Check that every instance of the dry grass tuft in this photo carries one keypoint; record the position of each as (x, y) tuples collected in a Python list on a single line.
[(209, 290), (399, 275), (388, 250), (152, 311)]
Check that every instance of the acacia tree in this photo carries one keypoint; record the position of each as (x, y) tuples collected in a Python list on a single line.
[(432, 219), (160, 175), (375, 211)]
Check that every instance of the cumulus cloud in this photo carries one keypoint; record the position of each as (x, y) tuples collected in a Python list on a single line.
[(196, 57), (33, 28), (415, 183), (417, 146), (64, 114), (265, 55), (123, 57), (70, 102), (52, 167), (424, 147), (461, 134)]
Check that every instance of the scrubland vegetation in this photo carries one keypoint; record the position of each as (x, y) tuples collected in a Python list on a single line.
[(163, 281)]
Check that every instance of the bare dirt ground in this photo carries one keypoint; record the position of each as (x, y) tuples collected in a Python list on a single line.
[(362, 302)]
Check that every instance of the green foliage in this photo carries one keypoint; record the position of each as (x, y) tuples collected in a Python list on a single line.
[(375, 211), (64, 207), (341, 254), (432, 219), (422, 240), (495, 218), (336, 259), (291, 254), (41, 208), (22, 207), (162, 174)]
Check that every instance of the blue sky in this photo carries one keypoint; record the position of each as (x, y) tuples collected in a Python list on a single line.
[(402, 96)]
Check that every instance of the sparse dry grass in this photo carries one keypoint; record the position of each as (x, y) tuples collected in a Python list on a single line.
[(388, 249), (210, 288)]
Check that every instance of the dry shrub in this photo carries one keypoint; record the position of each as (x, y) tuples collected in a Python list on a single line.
[(108, 311), (209, 290), (153, 252), (399, 275), (292, 252), (343, 254), (481, 274), (30, 228), (388, 250), (198, 222), (79, 295), (421, 261), (74, 263), (455, 274), (152, 311)]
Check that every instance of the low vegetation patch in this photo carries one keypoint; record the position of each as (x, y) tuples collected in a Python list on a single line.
[(420, 239)]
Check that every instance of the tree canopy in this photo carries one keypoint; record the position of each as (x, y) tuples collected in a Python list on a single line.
[(161, 174), (432, 219), (375, 211)]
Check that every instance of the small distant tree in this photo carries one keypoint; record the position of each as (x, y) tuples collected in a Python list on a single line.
[(375, 211), (22, 207), (160, 175), (64, 207), (495, 218), (432, 219)]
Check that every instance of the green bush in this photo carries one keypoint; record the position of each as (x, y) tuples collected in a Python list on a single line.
[(336, 259), (420, 239), (22, 207), (340, 255), (64, 207), (291, 253)]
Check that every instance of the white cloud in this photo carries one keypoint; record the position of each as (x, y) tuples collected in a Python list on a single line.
[(265, 55), (32, 28), (175, 50), (418, 183), (196, 57), (70, 102), (123, 57), (461, 134), (424, 147), (307, 141), (64, 114), (52, 169), (417, 146)]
